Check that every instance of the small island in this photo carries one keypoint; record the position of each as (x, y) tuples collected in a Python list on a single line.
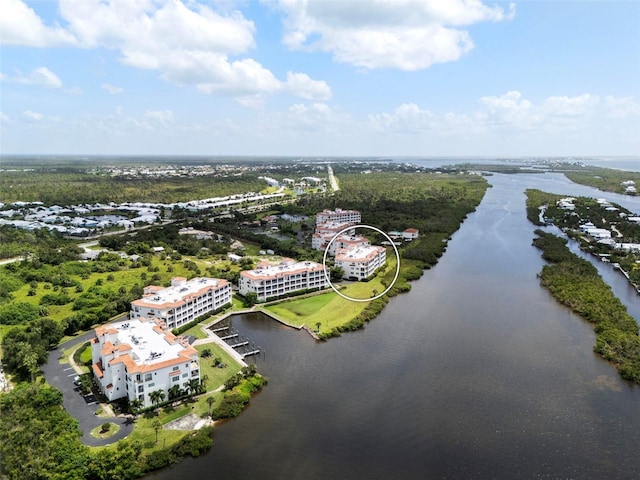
[(575, 282)]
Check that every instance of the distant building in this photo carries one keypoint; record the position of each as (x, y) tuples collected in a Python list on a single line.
[(268, 280), (411, 234), (361, 262), (338, 216), (135, 357), (183, 301)]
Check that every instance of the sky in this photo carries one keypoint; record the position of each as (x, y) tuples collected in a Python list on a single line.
[(320, 77)]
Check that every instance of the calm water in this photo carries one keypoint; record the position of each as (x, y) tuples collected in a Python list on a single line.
[(476, 373)]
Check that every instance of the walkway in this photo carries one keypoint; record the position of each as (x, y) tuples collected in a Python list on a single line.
[(332, 179)]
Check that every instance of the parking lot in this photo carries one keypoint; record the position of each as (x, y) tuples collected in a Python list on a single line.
[(82, 407)]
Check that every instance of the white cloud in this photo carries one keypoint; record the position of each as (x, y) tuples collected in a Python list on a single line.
[(403, 34), (301, 119), (505, 114), (112, 89), (570, 106), (301, 85), (509, 110), (41, 76), (187, 42), (31, 115), (20, 25), (408, 117), (162, 116), (4, 118), (621, 107)]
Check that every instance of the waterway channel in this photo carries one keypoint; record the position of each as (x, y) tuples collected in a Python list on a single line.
[(476, 373)]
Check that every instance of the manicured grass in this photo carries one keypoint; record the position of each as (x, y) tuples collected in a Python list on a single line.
[(113, 429), (216, 376), (85, 356), (336, 311)]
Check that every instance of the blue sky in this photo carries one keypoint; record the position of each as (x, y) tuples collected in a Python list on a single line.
[(320, 78)]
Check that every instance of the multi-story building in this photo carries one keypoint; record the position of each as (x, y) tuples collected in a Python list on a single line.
[(135, 357), (324, 232), (360, 262), (338, 215), (269, 280), (183, 301)]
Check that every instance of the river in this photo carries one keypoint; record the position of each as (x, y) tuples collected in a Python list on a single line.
[(475, 373)]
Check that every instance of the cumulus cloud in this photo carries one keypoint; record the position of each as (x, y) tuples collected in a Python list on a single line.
[(41, 76), (31, 115), (402, 34), (510, 112), (4, 118), (509, 109), (112, 89), (186, 42), (570, 106), (302, 86), (408, 117), (20, 25)]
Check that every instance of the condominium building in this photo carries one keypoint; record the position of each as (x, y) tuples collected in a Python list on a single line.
[(360, 262), (183, 301), (135, 357), (268, 280), (338, 215), (343, 241)]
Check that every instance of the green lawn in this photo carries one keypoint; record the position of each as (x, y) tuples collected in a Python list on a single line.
[(216, 376), (330, 309)]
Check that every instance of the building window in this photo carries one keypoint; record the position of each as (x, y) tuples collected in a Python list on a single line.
[(175, 379), (175, 368), (184, 375), (147, 377), (141, 389), (152, 385)]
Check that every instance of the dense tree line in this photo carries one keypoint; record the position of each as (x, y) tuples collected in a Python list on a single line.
[(575, 282), (76, 187), (48, 244), (40, 440)]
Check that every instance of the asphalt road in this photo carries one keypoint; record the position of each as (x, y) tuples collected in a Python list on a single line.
[(83, 409)]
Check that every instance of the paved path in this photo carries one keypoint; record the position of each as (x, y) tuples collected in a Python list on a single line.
[(332, 179), (83, 409)]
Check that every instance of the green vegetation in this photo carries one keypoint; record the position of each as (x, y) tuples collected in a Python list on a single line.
[(72, 186), (49, 294), (605, 179), (574, 282)]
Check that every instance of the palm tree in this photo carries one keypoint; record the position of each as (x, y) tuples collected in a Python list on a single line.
[(134, 406), (193, 386), (174, 392), (157, 396)]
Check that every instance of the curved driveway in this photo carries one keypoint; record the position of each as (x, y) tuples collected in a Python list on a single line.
[(84, 410)]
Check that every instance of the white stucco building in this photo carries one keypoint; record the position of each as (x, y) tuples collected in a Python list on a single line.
[(135, 357), (183, 301), (338, 215), (289, 276), (360, 262)]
